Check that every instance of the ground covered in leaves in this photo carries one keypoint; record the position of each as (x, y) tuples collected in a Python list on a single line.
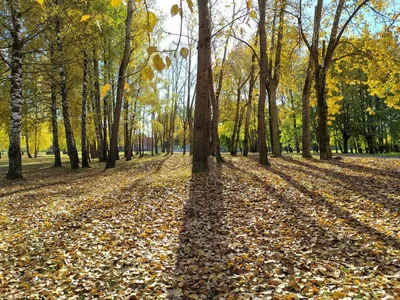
[(298, 229)]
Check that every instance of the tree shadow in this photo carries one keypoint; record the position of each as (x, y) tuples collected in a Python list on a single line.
[(362, 185), (201, 265), (318, 242), (362, 169)]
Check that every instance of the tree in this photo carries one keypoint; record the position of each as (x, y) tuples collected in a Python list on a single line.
[(202, 114), (14, 151), (321, 68), (262, 138), (112, 156)]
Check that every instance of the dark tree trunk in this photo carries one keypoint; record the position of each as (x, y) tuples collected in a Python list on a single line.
[(14, 150), (71, 146), (322, 111), (84, 149), (346, 138), (127, 132), (233, 148), (28, 152), (273, 77), (120, 88), (262, 138), (249, 107), (296, 137), (54, 123), (201, 130), (216, 144)]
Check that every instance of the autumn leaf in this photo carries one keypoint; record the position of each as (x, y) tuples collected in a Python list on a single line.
[(104, 90), (174, 10), (40, 2), (85, 18), (168, 61), (115, 3), (151, 50), (248, 4), (148, 73), (126, 87), (152, 21), (158, 63), (190, 5), (184, 52), (253, 14)]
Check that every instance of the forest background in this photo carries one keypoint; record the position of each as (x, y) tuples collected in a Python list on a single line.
[(330, 78)]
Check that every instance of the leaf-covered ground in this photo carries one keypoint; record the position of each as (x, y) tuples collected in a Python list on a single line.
[(298, 229)]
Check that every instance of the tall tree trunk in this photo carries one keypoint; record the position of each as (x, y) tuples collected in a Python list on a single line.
[(202, 114), (120, 87), (28, 152), (172, 127), (249, 107), (262, 145), (71, 146), (215, 118), (100, 137), (84, 149), (274, 78), (235, 127), (296, 137), (14, 150), (54, 119), (127, 134), (322, 110), (306, 134)]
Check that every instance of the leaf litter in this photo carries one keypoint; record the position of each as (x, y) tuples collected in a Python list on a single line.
[(299, 229)]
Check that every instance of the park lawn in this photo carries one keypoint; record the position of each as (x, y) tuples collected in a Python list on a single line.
[(147, 229)]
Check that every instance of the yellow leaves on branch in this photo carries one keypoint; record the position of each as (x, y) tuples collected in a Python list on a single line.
[(370, 111), (40, 2), (115, 3), (151, 50), (104, 90), (158, 62), (151, 21), (126, 87), (253, 14), (148, 73), (248, 4), (85, 18)]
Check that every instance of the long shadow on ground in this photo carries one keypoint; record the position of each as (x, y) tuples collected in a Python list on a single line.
[(201, 259)]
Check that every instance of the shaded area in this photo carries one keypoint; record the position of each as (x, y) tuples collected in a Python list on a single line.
[(370, 187), (202, 252)]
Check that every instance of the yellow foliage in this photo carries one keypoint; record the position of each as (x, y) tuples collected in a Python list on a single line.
[(148, 73), (248, 4), (85, 18), (104, 90), (152, 20), (115, 3)]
